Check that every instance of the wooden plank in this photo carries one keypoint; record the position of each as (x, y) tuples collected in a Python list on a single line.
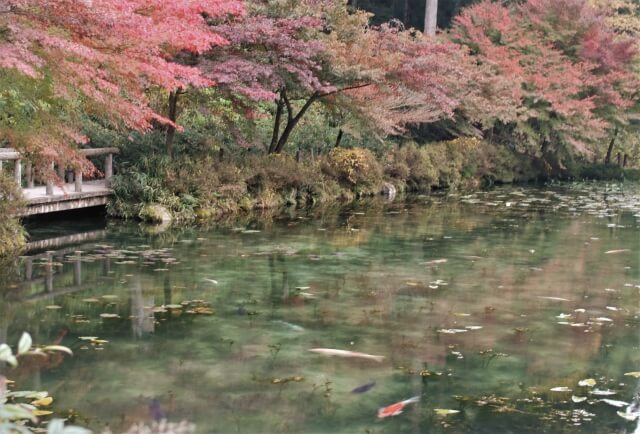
[(12, 154), (78, 180), (46, 208), (9, 154), (98, 151)]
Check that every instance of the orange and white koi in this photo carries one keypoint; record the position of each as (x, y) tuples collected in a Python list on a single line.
[(345, 353), (397, 408)]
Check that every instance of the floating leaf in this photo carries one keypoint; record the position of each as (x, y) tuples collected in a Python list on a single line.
[(203, 311), (59, 348), (578, 398), (88, 338), (109, 315), (16, 412), (42, 412), (28, 394), (445, 411), (589, 382), (635, 374), (91, 300), (602, 392), (631, 416), (53, 307), (43, 402), (6, 355), (615, 403), (560, 389), (25, 343)]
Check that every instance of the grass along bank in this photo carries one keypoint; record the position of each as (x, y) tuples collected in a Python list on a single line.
[(208, 185)]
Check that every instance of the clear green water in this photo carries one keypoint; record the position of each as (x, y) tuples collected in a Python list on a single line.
[(369, 285)]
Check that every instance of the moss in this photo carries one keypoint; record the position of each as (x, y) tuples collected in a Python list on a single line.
[(154, 213)]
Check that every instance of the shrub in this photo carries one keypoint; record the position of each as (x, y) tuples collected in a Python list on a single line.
[(12, 235), (356, 167)]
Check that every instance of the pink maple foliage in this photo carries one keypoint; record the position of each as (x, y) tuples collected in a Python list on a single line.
[(107, 53)]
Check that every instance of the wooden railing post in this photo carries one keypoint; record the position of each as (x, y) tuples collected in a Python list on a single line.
[(61, 171), (18, 172), (78, 180), (29, 174), (108, 169), (49, 188)]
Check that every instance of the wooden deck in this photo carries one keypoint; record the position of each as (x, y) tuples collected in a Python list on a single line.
[(94, 193), (49, 197)]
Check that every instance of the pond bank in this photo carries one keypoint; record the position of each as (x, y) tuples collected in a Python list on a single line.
[(208, 187)]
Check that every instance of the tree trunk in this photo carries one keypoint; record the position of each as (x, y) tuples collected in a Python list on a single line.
[(339, 138), (430, 17), (171, 130), (607, 159), (276, 124), (405, 15), (292, 121)]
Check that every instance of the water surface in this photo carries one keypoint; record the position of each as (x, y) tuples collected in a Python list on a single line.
[(479, 303)]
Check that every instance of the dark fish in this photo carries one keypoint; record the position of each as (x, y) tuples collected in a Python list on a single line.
[(364, 388), (156, 411)]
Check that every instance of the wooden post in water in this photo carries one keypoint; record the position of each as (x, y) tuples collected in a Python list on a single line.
[(28, 272), (17, 173), (78, 180), (48, 280), (49, 188), (77, 269), (29, 174), (108, 169)]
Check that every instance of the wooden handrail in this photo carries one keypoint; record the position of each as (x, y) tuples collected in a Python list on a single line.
[(8, 154), (98, 151)]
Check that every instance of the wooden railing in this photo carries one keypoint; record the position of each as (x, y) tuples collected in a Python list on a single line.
[(28, 178)]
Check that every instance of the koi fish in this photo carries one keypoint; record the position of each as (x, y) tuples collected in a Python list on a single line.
[(156, 411), (397, 408), (436, 262), (364, 388), (344, 353), (294, 327)]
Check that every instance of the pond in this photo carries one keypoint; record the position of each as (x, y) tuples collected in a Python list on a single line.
[(514, 310)]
